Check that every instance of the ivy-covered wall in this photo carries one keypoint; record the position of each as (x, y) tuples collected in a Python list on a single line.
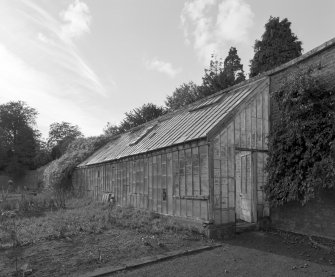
[(317, 216), (322, 59)]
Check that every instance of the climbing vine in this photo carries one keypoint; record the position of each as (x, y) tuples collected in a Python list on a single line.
[(302, 142)]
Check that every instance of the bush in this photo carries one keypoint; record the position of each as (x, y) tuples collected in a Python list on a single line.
[(57, 176), (302, 143)]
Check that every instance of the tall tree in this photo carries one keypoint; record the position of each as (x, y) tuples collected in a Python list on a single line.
[(277, 46), (60, 136), (222, 74), (183, 95), (138, 116), (233, 68), (214, 79), (18, 138), (111, 129)]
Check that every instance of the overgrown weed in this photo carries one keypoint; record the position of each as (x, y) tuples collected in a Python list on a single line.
[(84, 216)]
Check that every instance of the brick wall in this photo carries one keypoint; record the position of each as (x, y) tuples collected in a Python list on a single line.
[(317, 217)]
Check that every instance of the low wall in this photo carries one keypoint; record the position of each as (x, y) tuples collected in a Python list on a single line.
[(317, 217)]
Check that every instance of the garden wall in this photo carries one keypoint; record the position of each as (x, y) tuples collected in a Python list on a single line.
[(317, 217)]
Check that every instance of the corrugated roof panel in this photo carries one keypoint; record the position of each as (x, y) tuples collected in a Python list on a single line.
[(169, 133), (192, 122), (235, 103), (218, 110)]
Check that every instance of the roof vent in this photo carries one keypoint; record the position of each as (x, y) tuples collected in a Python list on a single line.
[(142, 135), (206, 103)]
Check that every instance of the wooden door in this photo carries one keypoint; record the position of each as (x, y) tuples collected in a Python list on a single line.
[(245, 202)]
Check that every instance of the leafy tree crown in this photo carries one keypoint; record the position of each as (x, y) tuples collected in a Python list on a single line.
[(18, 138)]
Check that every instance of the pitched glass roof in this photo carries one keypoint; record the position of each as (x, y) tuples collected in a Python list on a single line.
[(190, 123)]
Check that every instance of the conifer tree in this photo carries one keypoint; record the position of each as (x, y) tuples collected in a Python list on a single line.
[(233, 68), (277, 46), (223, 74)]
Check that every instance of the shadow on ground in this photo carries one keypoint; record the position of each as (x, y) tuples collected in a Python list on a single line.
[(285, 244)]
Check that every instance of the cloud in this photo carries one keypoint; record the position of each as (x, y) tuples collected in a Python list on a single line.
[(234, 19), (163, 67), (77, 20), (209, 25), (20, 81), (42, 38), (42, 65), (55, 39)]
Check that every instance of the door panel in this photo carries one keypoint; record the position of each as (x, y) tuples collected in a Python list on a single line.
[(244, 187)]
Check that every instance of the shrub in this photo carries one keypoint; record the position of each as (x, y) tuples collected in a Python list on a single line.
[(57, 176), (302, 143)]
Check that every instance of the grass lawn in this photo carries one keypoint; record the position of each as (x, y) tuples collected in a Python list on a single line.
[(84, 236)]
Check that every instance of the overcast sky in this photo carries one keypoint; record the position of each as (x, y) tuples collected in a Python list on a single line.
[(88, 62)]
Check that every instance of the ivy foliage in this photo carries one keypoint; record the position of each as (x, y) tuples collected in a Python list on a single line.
[(302, 142)]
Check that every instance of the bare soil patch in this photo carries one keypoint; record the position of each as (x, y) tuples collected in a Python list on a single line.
[(86, 252)]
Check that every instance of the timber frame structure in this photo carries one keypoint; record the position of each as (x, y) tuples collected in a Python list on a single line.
[(203, 163)]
